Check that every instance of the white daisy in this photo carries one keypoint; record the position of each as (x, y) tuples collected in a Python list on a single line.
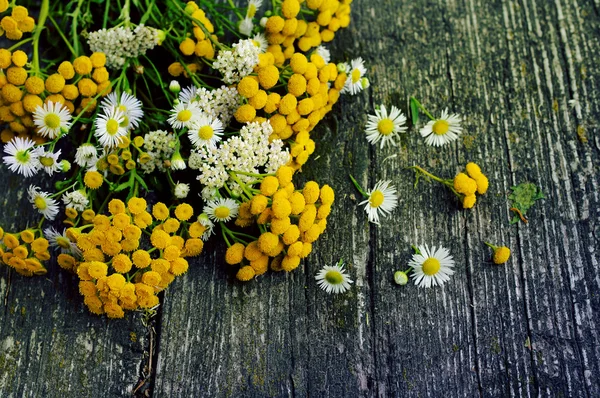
[(49, 162), (42, 202), (324, 53), (109, 127), (184, 114), (76, 200), (382, 198), (333, 278), (128, 104), (181, 190), (245, 27), (384, 128), (260, 41), (51, 119), (253, 6), (355, 74), (188, 94), (23, 156), (223, 209), (177, 162), (86, 156), (206, 132), (60, 241), (208, 224), (431, 267), (443, 130)]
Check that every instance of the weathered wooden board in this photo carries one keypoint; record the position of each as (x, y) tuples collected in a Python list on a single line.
[(526, 328)]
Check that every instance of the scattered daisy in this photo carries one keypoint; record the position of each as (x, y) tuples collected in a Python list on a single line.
[(208, 224), (86, 156), (184, 114), (221, 210), (51, 119), (188, 94), (443, 130), (333, 278), (42, 202), (60, 241), (431, 267), (181, 190), (382, 198), (49, 162), (384, 128), (23, 156), (324, 53), (260, 41), (109, 128), (76, 200), (355, 74), (128, 104), (253, 6), (206, 131)]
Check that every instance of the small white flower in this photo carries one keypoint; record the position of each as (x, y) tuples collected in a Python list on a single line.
[(86, 156), (181, 190), (188, 94), (42, 202), (49, 162), (221, 210), (253, 6), (333, 278), (109, 127), (443, 130), (76, 200), (23, 156), (324, 53), (208, 224), (184, 114), (130, 106), (260, 41), (177, 162), (51, 119), (60, 241), (382, 198), (245, 27), (206, 132), (355, 74), (431, 267), (384, 128)]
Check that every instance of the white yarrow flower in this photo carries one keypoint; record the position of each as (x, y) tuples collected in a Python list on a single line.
[(333, 278), (42, 202), (52, 119), (76, 200), (382, 199), (181, 190), (383, 128), (443, 130), (432, 267)]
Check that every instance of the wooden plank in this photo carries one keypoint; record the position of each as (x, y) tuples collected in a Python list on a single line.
[(50, 345)]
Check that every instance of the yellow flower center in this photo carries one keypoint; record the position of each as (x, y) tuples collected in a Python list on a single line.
[(22, 156), (376, 199), (251, 11), (256, 43), (46, 161), (40, 203), (440, 127), (222, 212), (63, 242), (431, 266), (112, 126), (355, 75), (206, 132), (385, 126), (184, 115), (334, 277), (52, 121)]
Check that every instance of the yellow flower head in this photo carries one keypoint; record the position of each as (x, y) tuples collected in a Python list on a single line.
[(160, 239), (179, 266), (136, 205), (245, 273), (121, 263), (464, 184), (82, 65), (234, 254), (171, 225), (151, 278), (248, 87), (97, 270), (141, 258), (311, 192), (160, 211), (501, 255), (184, 212), (93, 179)]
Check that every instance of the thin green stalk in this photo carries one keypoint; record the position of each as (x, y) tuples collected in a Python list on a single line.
[(421, 107), (36, 36), (358, 187), (62, 35)]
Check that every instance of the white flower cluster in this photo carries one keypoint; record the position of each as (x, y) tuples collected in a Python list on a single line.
[(160, 146), (246, 152), (220, 103), (237, 63), (121, 43), (76, 200)]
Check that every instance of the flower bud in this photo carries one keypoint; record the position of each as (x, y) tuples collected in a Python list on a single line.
[(174, 87), (400, 278)]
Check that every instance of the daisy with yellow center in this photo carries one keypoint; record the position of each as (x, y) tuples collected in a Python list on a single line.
[(333, 278), (431, 267), (381, 200), (206, 132), (442, 131), (109, 129), (184, 114), (22, 156), (383, 127), (126, 103), (52, 119), (221, 210), (61, 242), (260, 41), (356, 72), (42, 202)]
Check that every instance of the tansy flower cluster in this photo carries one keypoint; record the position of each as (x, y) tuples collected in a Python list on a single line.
[(25, 251), (17, 23)]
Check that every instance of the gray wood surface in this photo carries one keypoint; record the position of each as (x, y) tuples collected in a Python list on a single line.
[(527, 328)]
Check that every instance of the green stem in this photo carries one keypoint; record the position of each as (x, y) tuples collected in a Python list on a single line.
[(19, 44), (493, 247), (36, 36), (235, 10), (433, 177), (421, 107), (74, 35), (62, 35), (358, 187)]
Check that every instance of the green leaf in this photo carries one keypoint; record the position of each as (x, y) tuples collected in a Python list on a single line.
[(122, 186), (523, 197), (414, 110), (141, 181)]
